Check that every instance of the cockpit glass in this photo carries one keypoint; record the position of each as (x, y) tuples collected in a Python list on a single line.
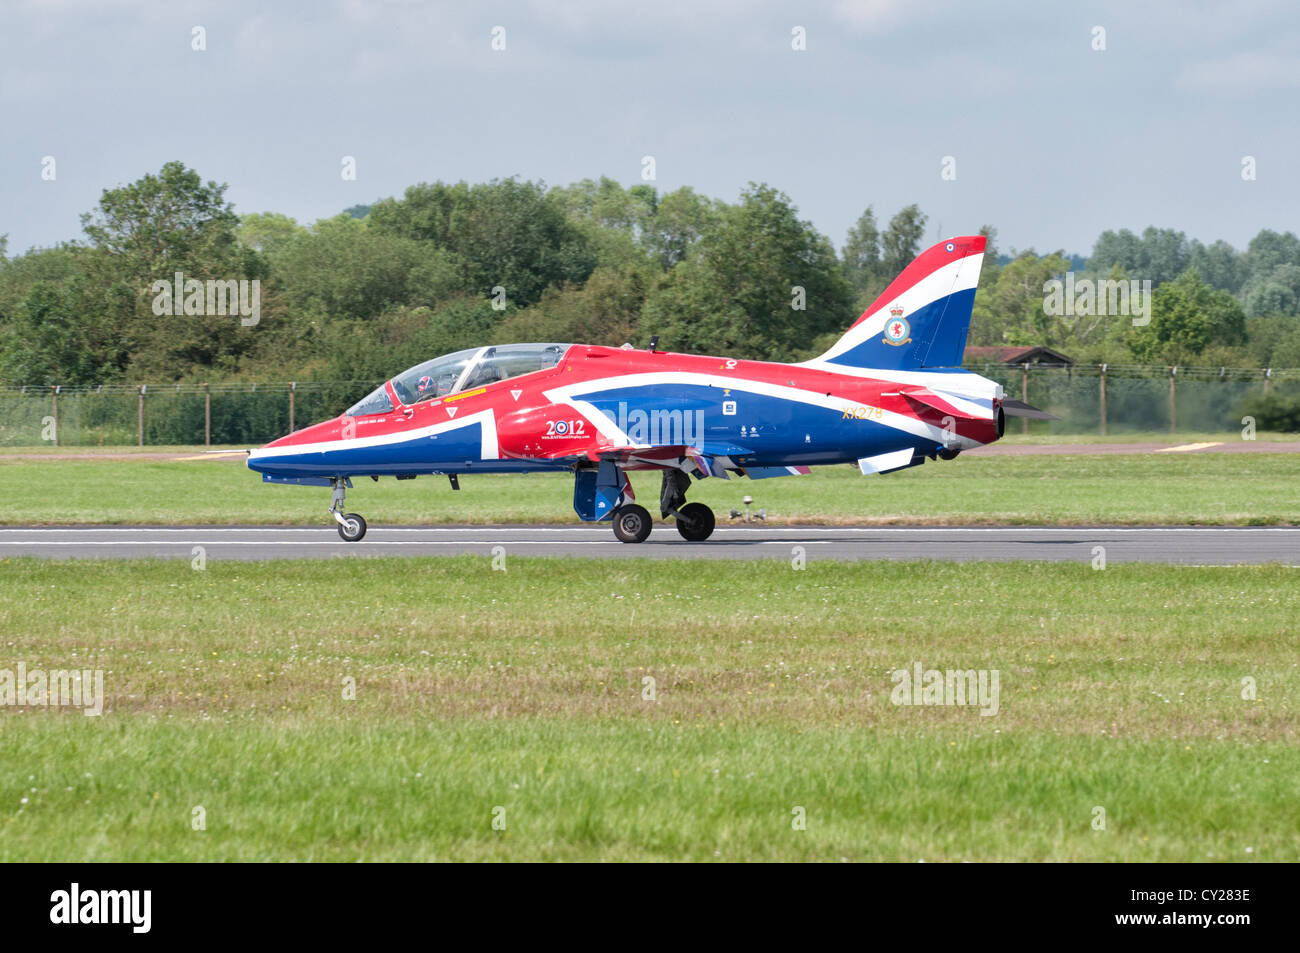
[(476, 367), (376, 402)]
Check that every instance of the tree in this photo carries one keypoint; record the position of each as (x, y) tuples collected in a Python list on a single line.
[(506, 234), (345, 267), (735, 294), (1187, 316), (605, 310), (1220, 264), (1010, 309), (1160, 255), (264, 231), (861, 256), (902, 241), (148, 231), (612, 218), (164, 223), (403, 337), (54, 340), (680, 219)]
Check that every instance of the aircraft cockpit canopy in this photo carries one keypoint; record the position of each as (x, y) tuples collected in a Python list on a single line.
[(460, 371)]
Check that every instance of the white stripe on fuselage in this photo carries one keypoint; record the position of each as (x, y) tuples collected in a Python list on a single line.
[(489, 449)]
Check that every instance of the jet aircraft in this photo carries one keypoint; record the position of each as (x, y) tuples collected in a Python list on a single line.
[(888, 395)]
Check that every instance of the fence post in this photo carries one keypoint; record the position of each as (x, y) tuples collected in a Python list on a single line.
[(140, 416), (55, 389), (1173, 402), (207, 415), (1103, 400), (293, 385), (1024, 395), (1268, 379)]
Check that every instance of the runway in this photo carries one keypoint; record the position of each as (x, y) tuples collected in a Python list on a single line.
[(1185, 545)]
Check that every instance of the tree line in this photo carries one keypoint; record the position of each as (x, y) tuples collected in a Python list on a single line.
[(447, 266)]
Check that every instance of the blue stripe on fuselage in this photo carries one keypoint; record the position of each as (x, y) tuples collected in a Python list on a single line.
[(452, 451), (778, 431)]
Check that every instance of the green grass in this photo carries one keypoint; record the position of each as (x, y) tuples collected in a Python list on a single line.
[(1228, 489), (522, 690)]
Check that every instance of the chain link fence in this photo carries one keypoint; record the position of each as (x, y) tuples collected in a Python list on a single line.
[(1128, 398), (1089, 399), (241, 414)]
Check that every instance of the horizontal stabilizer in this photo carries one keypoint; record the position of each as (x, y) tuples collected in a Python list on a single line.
[(1018, 408), (928, 398), (885, 462)]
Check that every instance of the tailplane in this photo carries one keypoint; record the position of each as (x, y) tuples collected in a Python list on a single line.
[(921, 319)]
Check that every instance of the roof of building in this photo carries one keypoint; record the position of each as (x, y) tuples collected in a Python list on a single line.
[(1037, 354)]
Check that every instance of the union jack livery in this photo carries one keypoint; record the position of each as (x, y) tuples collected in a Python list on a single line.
[(889, 394)]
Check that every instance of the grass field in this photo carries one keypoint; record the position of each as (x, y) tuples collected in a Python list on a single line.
[(519, 695), (1132, 489)]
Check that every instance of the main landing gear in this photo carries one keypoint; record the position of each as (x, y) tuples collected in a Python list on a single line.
[(695, 521), (351, 526)]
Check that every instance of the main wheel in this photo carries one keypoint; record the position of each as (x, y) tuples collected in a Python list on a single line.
[(695, 522), (632, 523), (352, 528)]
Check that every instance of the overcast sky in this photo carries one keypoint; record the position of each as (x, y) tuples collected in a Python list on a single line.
[(1053, 140)]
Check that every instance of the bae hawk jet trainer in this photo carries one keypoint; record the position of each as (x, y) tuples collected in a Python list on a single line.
[(890, 394)]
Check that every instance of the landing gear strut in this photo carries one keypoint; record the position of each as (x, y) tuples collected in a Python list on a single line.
[(695, 521), (351, 526)]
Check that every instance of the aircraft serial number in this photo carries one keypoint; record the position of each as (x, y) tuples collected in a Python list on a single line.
[(566, 428), (862, 412)]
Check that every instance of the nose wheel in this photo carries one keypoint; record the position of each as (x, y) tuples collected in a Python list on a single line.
[(351, 526), (632, 523)]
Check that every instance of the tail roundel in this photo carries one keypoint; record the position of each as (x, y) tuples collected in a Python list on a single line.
[(921, 319)]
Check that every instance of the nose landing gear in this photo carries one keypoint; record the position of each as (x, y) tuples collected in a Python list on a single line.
[(632, 523), (351, 526)]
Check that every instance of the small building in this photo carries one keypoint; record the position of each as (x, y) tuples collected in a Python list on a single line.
[(1017, 356)]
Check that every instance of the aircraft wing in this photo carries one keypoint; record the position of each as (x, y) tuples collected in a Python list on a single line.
[(707, 461)]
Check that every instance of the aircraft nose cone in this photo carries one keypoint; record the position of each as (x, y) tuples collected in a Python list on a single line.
[(264, 458)]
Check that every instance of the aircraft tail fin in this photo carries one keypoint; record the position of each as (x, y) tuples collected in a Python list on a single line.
[(922, 318)]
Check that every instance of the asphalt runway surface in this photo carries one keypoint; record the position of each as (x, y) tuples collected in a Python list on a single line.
[(1186, 545)]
